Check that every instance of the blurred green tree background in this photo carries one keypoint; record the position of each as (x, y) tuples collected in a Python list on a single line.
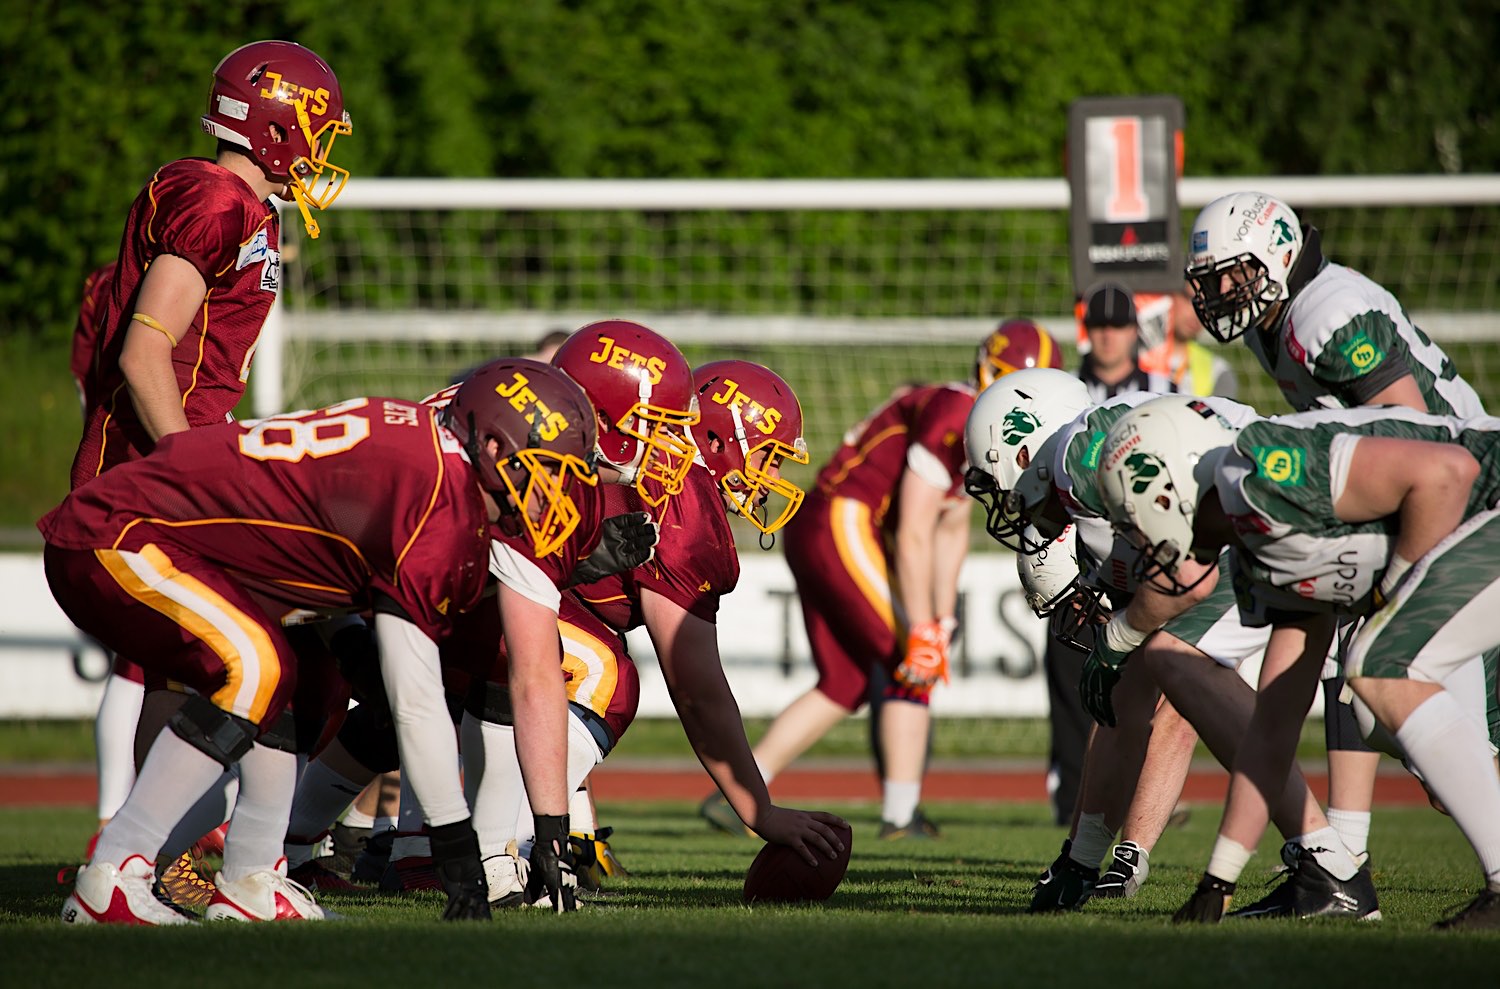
[(96, 95)]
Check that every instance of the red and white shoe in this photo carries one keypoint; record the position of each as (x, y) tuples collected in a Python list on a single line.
[(263, 896), (106, 894)]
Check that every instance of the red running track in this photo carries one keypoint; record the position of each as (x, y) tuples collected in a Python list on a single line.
[(52, 786)]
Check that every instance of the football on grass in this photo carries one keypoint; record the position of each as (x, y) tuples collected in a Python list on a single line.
[(778, 874)]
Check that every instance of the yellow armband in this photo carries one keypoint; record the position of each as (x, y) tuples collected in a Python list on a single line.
[(141, 317)]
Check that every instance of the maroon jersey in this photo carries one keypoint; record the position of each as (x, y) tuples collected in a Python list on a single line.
[(320, 510), (869, 465), (96, 289), (695, 563), (208, 216)]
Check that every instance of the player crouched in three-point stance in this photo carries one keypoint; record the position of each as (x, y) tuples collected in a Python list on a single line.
[(1382, 514), (876, 552), (192, 555)]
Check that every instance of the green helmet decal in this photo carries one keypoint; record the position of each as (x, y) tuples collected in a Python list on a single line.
[(1017, 425), (1282, 233), (1144, 468)]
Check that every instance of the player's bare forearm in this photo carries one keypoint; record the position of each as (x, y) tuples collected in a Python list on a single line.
[(146, 363), (1152, 608), (687, 648), (165, 307), (540, 700)]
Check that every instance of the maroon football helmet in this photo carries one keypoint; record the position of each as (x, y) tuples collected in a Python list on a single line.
[(751, 423), (642, 387), (1014, 344), (544, 428), (281, 103)]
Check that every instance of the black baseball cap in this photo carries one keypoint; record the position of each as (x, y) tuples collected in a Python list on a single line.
[(1108, 304)]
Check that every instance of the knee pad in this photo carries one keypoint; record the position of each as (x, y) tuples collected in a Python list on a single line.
[(213, 731), (1342, 731), (1373, 732), (490, 702), (596, 726), (370, 738)]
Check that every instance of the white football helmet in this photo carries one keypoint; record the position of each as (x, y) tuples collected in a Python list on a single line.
[(1053, 585), (1241, 254), (1009, 428), (1157, 462)]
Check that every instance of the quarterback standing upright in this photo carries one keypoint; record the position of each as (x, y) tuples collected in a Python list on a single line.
[(197, 272)]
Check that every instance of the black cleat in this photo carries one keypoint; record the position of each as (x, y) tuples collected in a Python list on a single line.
[(1310, 890)]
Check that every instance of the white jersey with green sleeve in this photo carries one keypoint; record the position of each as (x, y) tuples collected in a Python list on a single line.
[(1279, 485), (1343, 339)]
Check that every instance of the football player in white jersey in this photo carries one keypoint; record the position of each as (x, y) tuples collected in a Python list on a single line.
[(1142, 757), (1339, 512)]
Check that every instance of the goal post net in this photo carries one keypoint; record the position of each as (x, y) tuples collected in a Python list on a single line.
[(846, 288)]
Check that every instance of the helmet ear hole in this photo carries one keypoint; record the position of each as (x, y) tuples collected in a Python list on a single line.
[(715, 442)]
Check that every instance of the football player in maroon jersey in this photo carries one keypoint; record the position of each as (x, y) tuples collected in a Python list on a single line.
[(195, 554), (200, 259), (888, 513), (198, 268)]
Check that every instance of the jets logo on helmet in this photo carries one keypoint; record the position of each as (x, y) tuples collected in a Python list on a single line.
[(1244, 246), (751, 424), (281, 104), (642, 387), (542, 427)]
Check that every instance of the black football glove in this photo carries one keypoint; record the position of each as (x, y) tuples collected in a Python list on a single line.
[(455, 856), (550, 881), (1096, 686), (627, 541), (1207, 904)]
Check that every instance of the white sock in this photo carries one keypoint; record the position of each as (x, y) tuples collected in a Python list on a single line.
[(1453, 755), (1092, 840), (1328, 850), (492, 782), (172, 779), (114, 741), (1228, 859), (1353, 827), (321, 794), (357, 819), (899, 803), (581, 811), (268, 780), (208, 812)]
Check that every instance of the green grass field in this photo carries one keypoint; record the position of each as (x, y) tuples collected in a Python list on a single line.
[(946, 913)]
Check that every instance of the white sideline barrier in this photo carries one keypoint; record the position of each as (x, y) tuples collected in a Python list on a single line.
[(48, 670)]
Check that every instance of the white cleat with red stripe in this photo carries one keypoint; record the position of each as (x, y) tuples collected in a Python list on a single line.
[(262, 896), (106, 894)]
